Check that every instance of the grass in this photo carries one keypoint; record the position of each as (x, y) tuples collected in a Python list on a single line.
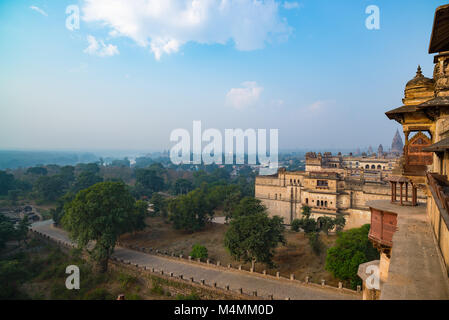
[(41, 276), (297, 257)]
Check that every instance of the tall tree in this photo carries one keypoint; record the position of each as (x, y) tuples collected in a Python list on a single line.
[(149, 180), (253, 237), (352, 248), (85, 180), (50, 188), (190, 212), (102, 213)]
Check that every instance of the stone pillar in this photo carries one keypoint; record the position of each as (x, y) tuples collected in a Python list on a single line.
[(406, 192), (400, 187)]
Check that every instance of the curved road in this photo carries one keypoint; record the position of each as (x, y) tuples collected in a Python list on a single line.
[(236, 280)]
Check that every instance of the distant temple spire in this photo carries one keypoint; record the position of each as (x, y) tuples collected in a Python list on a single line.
[(397, 146)]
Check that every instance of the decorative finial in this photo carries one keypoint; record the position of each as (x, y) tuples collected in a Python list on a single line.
[(419, 72)]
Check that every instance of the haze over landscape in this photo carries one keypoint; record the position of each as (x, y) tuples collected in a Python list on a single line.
[(124, 82)]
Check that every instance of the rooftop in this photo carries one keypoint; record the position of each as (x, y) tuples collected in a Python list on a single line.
[(416, 271)]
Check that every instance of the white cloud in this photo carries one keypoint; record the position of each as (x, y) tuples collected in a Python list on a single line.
[(100, 48), (166, 25), (244, 97), (37, 9)]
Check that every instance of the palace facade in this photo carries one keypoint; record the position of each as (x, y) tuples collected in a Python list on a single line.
[(330, 185)]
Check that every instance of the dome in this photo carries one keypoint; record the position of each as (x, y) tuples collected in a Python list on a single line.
[(419, 90), (420, 81)]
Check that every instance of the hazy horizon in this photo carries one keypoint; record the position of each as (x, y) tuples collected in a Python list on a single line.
[(123, 82)]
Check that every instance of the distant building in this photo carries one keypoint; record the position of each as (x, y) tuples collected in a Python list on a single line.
[(380, 151), (330, 185), (397, 146)]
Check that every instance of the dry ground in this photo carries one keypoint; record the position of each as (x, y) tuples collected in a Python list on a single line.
[(296, 257)]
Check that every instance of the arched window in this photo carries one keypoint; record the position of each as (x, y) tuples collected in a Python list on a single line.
[(373, 167), (367, 166), (307, 200), (379, 167), (325, 204)]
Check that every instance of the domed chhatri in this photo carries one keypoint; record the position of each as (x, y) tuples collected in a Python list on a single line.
[(418, 90)]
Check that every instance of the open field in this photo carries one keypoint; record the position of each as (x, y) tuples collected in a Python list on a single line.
[(296, 257)]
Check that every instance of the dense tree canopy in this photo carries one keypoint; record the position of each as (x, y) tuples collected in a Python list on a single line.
[(6, 182), (252, 236), (86, 179), (351, 249), (148, 181), (102, 213), (191, 212), (50, 188)]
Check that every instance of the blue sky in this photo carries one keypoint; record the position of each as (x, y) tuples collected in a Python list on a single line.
[(130, 75)]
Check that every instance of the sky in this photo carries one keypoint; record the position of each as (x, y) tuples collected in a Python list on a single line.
[(135, 70)]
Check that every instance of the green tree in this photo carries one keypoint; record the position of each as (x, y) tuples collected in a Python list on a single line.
[(49, 188), (352, 248), (102, 213), (86, 179), (248, 206), (190, 212), (7, 231), (6, 182), (199, 252), (58, 212), (182, 186), (149, 181), (296, 225), (13, 196), (315, 242), (326, 224), (159, 205), (253, 237), (340, 222), (38, 171)]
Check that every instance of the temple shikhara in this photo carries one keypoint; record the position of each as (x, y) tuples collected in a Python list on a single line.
[(413, 237)]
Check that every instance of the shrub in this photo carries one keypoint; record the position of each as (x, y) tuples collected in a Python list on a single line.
[(315, 242), (351, 249), (191, 296), (99, 294), (199, 252), (157, 289), (296, 224)]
